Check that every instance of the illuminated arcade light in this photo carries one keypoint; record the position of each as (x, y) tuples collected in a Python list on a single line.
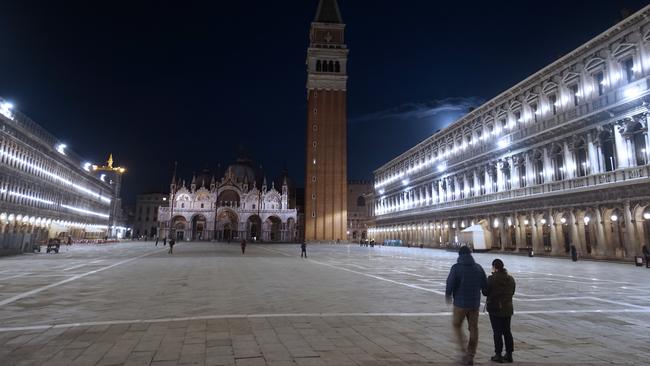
[(102, 177), (632, 92), (646, 215), (381, 191), (61, 148), (614, 217), (586, 220), (496, 223), (405, 181), (87, 166), (563, 220), (442, 167), (543, 221), (503, 143)]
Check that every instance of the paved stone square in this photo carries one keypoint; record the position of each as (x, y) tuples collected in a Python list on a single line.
[(134, 304)]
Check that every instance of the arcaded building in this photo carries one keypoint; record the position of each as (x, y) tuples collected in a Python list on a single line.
[(48, 191), (326, 150), (559, 159), (358, 210)]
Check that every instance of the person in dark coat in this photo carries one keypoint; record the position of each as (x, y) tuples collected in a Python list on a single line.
[(646, 254), (574, 253), (171, 246), (499, 292), (303, 248), (243, 246), (465, 282)]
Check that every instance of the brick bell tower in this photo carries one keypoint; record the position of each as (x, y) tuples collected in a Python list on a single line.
[(326, 171)]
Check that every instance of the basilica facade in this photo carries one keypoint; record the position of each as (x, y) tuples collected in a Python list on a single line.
[(236, 206), (559, 160)]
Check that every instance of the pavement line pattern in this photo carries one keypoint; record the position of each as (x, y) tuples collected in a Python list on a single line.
[(40, 289), (361, 273), (305, 315), (442, 293)]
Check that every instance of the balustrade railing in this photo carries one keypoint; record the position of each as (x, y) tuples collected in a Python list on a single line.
[(567, 185)]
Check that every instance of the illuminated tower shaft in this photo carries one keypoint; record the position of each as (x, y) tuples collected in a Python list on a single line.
[(326, 165)]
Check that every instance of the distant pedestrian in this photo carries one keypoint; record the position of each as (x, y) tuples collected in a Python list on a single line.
[(646, 254), (156, 241), (69, 241), (499, 292), (172, 242), (464, 284), (243, 246), (574, 253), (303, 248), (164, 241)]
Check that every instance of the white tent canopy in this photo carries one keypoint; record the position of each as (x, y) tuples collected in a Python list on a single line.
[(475, 235)]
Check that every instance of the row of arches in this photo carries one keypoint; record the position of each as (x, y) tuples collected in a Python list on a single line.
[(228, 226), (600, 232), (603, 149), (328, 66)]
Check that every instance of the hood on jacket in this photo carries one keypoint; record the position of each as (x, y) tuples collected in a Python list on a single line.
[(465, 259)]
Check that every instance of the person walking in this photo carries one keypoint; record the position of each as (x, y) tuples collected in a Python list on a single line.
[(156, 241), (171, 246), (499, 292), (465, 282), (164, 241), (303, 248), (243, 246), (574, 253), (646, 254)]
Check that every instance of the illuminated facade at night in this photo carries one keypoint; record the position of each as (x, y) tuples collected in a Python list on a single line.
[(559, 159), (46, 190), (239, 205), (326, 150)]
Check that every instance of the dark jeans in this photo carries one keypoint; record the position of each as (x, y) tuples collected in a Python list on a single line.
[(303, 253), (501, 330)]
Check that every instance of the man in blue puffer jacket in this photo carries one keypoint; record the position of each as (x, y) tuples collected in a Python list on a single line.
[(464, 283)]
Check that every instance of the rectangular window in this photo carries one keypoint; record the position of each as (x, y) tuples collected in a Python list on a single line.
[(574, 93), (552, 99), (628, 65), (599, 77), (534, 109)]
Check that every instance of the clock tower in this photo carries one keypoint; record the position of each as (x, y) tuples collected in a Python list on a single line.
[(326, 170)]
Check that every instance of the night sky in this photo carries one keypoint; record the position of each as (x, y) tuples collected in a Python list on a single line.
[(192, 81)]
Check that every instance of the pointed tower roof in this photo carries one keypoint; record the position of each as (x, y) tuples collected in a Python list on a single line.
[(328, 12)]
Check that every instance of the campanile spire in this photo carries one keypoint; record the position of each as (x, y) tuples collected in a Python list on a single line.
[(326, 150)]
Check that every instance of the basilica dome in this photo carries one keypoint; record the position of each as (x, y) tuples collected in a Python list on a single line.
[(241, 169)]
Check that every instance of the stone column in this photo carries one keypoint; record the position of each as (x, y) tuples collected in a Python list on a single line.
[(517, 223), (621, 149), (538, 245), (594, 164), (631, 246), (555, 243), (503, 226), (575, 239), (570, 166), (548, 166), (602, 247), (530, 171), (514, 174)]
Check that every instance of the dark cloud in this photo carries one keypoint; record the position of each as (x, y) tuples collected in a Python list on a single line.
[(424, 110)]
